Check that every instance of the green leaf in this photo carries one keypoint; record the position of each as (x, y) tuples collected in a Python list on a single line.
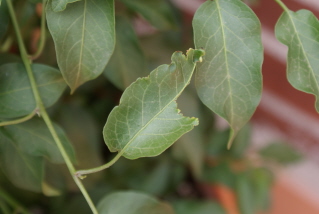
[(281, 153), (299, 31), (132, 203), (245, 195), (147, 120), (34, 138), (229, 79), (127, 62), (84, 39), (261, 181), (158, 12), (16, 97), (23, 170), (197, 207), (60, 5)]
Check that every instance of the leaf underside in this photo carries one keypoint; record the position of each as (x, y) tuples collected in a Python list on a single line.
[(147, 120), (300, 32), (229, 80), (84, 39), (16, 97)]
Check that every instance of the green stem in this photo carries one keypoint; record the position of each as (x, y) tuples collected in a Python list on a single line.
[(43, 111), (20, 120), (81, 173), (282, 5), (42, 36), (12, 202)]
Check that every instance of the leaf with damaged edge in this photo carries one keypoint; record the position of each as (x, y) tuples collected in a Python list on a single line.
[(229, 79), (147, 120), (16, 97), (84, 39), (300, 32), (132, 203), (128, 61)]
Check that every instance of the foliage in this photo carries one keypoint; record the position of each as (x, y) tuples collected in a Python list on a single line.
[(86, 38)]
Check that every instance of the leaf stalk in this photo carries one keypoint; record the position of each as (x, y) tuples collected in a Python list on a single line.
[(20, 120), (282, 5), (81, 173), (43, 33)]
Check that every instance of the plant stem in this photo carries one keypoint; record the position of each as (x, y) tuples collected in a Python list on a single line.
[(43, 111), (42, 36), (20, 120), (81, 173), (12, 202), (282, 5)]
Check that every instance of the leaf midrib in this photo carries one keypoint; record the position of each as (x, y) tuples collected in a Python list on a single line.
[(155, 116), (226, 59), (82, 44)]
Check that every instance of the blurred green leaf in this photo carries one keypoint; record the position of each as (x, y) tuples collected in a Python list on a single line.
[(127, 62), (84, 134), (23, 170), (280, 152), (197, 207), (299, 31), (245, 195), (147, 121), (84, 38), (216, 145), (220, 174), (229, 79), (158, 12), (132, 203), (34, 138), (261, 181), (60, 5), (190, 147), (16, 97)]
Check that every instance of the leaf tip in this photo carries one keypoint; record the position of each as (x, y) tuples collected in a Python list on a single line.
[(197, 54), (232, 136)]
